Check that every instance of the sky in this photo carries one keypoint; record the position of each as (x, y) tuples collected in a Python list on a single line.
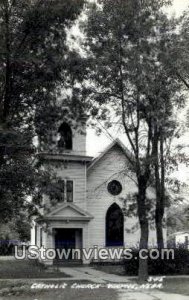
[(179, 6)]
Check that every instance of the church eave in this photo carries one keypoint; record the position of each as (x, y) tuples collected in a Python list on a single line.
[(118, 142), (65, 219), (65, 157)]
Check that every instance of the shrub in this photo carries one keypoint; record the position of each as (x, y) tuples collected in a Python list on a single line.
[(6, 247), (177, 266)]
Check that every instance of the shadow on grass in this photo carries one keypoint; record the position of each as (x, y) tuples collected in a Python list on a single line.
[(27, 269), (22, 290)]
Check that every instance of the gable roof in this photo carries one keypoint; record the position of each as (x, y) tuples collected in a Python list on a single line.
[(68, 211), (114, 143)]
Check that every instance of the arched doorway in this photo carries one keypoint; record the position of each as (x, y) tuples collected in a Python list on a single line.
[(114, 226)]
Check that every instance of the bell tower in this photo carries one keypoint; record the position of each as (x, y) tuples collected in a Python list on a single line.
[(71, 139), (68, 160)]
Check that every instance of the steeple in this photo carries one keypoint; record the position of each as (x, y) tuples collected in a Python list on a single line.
[(71, 138)]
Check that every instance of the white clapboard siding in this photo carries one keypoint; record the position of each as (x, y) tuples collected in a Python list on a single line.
[(77, 172), (79, 143), (113, 165)]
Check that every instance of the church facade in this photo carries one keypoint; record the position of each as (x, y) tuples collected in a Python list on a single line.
[(96, 198)]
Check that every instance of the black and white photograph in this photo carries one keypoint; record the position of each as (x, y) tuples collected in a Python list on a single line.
[(94, 149)]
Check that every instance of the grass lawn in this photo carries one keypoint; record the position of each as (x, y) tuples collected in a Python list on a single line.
[(176, 286), (111, 269), (22, 290), (27, 269)]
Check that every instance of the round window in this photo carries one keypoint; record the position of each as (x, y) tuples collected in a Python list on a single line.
[(114, 187)]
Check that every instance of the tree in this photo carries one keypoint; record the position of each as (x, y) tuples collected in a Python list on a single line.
[(35, 64), (175, 61), (126, 40), (179, 50)]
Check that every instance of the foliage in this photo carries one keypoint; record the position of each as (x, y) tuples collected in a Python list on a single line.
[(23, 227), (179, 51), (6, 246), (178, 218), (35, 63), (178, 266)]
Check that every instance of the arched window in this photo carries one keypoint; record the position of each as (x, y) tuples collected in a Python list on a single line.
[(65, 140), (114, 226)]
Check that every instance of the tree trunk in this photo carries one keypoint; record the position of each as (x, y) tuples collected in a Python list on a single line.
[(159, 183), (159, 213), (143, 263), (162, 198), (144, 226), (159, 230)]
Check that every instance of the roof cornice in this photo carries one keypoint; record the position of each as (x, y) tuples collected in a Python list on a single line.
[(64, 157), (115, 142)]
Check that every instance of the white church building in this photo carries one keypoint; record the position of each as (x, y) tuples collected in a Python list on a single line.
[(96, 194)]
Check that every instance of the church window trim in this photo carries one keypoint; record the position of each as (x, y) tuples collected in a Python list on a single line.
[(41, 236), (65, 193), (114, 188), (35, 230), (110, 238)]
